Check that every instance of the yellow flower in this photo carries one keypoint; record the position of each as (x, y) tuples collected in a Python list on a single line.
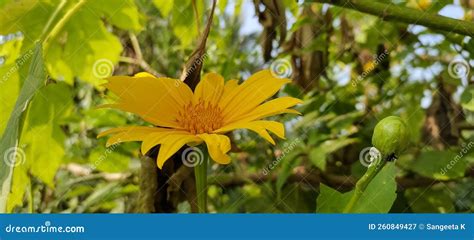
[(182, 117)]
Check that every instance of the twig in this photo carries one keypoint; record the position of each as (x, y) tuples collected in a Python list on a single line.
[(390, 12), (144, 65), (59, 26)]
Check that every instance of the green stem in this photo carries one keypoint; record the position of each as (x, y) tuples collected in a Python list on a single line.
[(59, 26), (200, 172), (391, 12), (51, 19), (363, 182)]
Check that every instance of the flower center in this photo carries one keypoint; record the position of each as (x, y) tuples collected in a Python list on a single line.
[(202, 117)]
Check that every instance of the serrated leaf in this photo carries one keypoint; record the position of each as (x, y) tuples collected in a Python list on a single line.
[(42, 140), (378, 197), (84, 47)]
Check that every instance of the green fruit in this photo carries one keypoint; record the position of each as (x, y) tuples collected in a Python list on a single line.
[(391, 136)]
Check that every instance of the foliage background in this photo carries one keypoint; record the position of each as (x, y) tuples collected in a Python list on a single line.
[(351, 69)]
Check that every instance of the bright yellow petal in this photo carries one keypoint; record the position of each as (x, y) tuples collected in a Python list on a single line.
[(258, 88), (156, 100), (129, 134), (218, 146), (230, 86), (270, 108), (171, 143), (210, 88), (144, 74), (260, 127), (156, 138)]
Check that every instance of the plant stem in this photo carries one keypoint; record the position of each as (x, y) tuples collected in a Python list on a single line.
[(59, 26), (200, 172), (392, 12), (363, 182), (51, 19)]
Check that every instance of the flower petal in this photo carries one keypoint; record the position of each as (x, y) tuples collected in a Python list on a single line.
[(210, 88), (171, 143), (150, 97), (260, 127), (217, 145), (144, 74), (156, 138), (130, 133), (270, 108), (230, 86), (258, 88)]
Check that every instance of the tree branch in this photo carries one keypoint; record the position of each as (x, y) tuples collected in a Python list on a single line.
[(390, 12)]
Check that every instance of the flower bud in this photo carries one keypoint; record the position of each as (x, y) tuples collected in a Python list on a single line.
[(391, 136)]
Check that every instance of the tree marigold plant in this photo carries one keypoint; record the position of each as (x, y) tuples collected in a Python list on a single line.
[(181, 116)]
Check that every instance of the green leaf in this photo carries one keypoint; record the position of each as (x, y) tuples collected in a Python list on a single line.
[(20, 181), (318, 157), (182, 18), (330, 200), (288, 163), (380, 193), (336, 144), (378, 197), (9, 52), (109, 159), (12, 12), (42, 140), (84, 47), (164, 7), (10, 87), (121, 13), (296, 199), (439, 165), (90, 60), (429, 200), (9, 142), (467, 100), (42, 137)]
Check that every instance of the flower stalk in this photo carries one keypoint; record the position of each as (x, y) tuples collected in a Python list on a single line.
[(361, 185), (200, 173)]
